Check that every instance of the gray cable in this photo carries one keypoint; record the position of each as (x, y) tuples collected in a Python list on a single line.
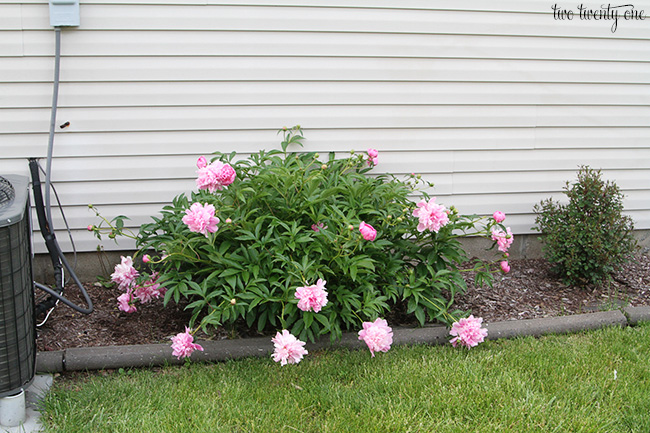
[(48, 209), (55, 102)]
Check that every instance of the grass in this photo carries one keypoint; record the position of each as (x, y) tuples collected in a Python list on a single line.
[(590, 382)]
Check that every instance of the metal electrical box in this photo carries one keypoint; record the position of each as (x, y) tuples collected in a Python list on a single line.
[(64, 13)]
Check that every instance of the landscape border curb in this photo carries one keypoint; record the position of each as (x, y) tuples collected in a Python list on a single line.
[(150, 355)]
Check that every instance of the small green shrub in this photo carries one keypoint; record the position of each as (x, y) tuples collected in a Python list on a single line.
[(589, 237), (290, 219)]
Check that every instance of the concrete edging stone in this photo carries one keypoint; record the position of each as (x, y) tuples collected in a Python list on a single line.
[(637, 314), (149, 355)]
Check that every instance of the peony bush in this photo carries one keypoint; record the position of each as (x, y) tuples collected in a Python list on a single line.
[(287, 240)]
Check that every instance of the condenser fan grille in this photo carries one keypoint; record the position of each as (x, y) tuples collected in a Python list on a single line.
[(7, 192), (17, 328)]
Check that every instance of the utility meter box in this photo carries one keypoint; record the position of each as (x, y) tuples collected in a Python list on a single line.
[(64, 13)]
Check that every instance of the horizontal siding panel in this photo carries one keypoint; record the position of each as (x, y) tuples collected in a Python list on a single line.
[(126, 168), (214, 118), (14, 166), (522, 204), (477, 171), (39, 95), (537, 6), (540, 181), (10, 17), (184, 166), (130, 69), (72, 144), (84, 241), (200, 43), (460, 173), (549, 160), (552, 138), (20, 146), (79, 217), (115, 192), (357, 20), (11, 43)]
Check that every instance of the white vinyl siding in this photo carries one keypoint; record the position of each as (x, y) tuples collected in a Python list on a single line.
[(496, 102)]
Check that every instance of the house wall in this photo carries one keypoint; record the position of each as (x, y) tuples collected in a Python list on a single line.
[(497, 103)]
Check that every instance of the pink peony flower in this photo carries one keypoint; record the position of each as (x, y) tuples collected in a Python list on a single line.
[(200, 219), (312, 297), (468, 332), (367, 231), (214, 176), (90, 228), (202, 162), (503, 239), (318, 226), (225, 175), (288, 349), (498, 216), (377, 335), (125, 301), (149, 290), (125, 273), (432, 216), (183, 344), (505, 267), (372, 157), (146, 258)]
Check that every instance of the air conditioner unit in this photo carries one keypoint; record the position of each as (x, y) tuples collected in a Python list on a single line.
[(17, 321)]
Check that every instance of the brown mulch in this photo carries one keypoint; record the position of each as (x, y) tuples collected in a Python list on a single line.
[(529, 291)]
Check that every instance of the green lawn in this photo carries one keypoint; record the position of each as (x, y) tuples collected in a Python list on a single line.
[(553, 384)]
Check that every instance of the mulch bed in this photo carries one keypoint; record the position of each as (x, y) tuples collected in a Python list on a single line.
[(529, 291)]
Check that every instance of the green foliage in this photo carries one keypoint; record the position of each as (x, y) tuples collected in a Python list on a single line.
[(589, 237), (266, 246)]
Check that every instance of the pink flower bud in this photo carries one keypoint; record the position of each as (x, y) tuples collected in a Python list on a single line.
[(91, 227), (372, 157), (146, 258), (228, 220), (499, 216), (367, 231), (202, 162), (505, 267)]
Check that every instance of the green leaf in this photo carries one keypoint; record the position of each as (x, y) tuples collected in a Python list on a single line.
[(419, 314), (308, 317), (323, 320), (230, 272)]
